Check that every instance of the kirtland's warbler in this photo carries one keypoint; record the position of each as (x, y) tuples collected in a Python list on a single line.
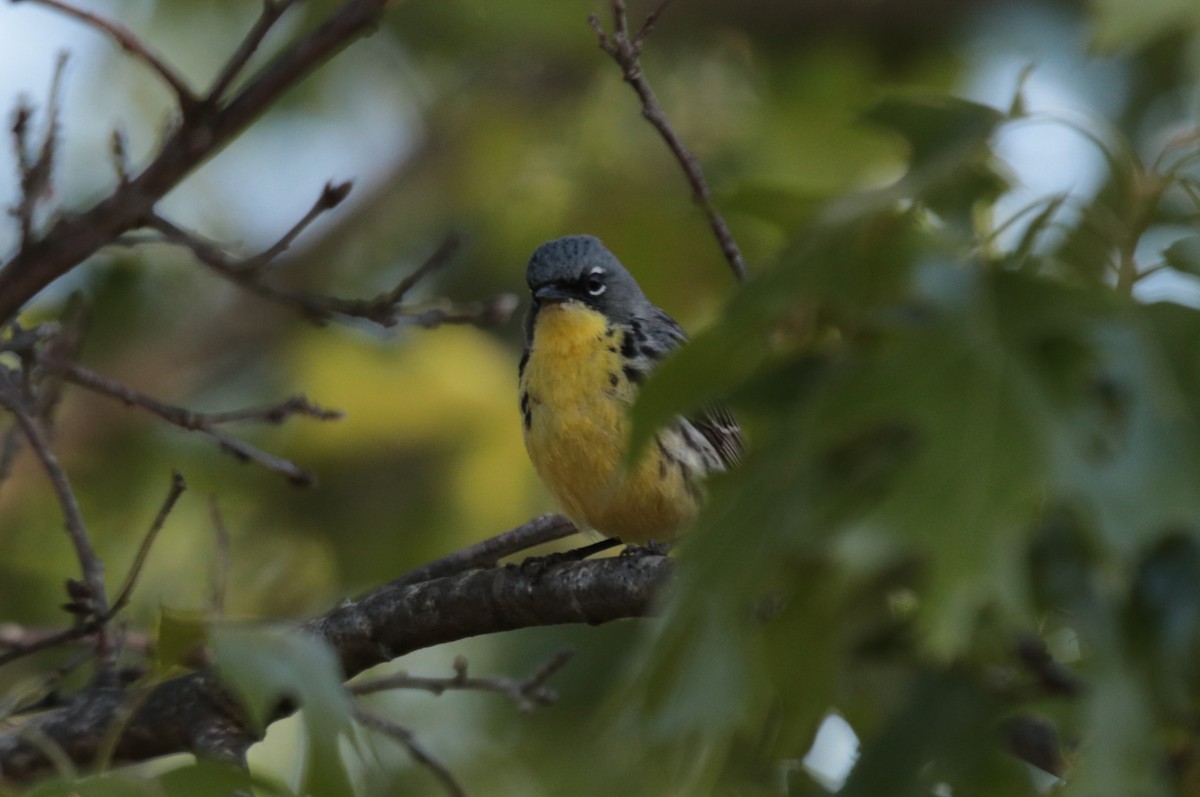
[(591, 336)]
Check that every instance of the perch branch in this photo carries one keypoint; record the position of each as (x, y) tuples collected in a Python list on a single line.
[(194, 712), (540, 530)]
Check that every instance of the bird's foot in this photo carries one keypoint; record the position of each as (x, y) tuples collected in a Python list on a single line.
[(651, 548), (537, 565)]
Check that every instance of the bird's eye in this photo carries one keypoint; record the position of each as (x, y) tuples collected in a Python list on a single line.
[(595, 285)]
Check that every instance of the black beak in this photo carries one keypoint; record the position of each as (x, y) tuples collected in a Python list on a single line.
[(551, 294)]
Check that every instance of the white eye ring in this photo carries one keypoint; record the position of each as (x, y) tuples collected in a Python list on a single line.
[(595, 278)]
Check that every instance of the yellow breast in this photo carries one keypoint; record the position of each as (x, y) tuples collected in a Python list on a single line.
[(575, 399)]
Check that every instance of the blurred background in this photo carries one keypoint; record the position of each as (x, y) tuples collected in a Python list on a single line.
[(503, 121)]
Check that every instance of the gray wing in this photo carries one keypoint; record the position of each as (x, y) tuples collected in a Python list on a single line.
[(651, 339)]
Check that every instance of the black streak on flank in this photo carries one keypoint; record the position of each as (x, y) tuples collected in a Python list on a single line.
[(526, 415), (628, 347), (523, 363), (633, 375), (614, 380)]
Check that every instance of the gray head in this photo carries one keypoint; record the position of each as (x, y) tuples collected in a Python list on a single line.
[(578, 268)]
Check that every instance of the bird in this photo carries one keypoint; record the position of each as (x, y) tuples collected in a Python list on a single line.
[(591, 338)]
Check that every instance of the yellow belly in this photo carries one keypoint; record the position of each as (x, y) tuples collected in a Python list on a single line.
[(579, 397)]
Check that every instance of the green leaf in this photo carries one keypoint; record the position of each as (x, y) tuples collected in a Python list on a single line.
[(1163, 617), (106, 785), (213, 779), (945, 734), (180, 635), (1184, 255), (265, 666), (1121, 24)]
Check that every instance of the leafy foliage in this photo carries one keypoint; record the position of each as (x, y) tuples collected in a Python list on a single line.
[(962, 445)]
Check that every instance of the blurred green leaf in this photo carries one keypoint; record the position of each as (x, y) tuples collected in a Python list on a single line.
[(1184, 255), (106, 785), (265, 666), (212, 779), (944, 738), (181, 635)]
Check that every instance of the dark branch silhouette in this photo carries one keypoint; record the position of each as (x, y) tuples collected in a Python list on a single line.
[(195, 713)]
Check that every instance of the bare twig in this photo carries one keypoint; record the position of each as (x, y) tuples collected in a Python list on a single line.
[(408, 740), (21, 643), (90, 565), (197, 137), (445, 251), (130, 43), (10, 446), (626, 50), (527, 693), (204, 423), (272, 10), (384, 309), (35, 172), (120, 156), (178, 485), (220, 580), (331, 196), (543, 529)]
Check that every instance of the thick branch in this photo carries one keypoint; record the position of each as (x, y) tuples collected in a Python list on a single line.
[(199, 136), (194, 713)]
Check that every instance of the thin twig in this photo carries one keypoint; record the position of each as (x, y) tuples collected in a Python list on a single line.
[(331, 196), (271, 12), (543, 529), (384, 309), (36, 172), (442, 255), (178, 485), (527, 693), (408, 740), (625, 51), (89, 599), (220, 580), (130, 43), (196, 137), (10, 446), (204, 423), (90, 565)]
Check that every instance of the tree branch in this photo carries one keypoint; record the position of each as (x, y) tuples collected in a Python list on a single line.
[(130, 43), (626, 51), (408, 740), (194, 713), (199, 136), (542, 529), (91, 594), (204, 423), (526, 694)]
